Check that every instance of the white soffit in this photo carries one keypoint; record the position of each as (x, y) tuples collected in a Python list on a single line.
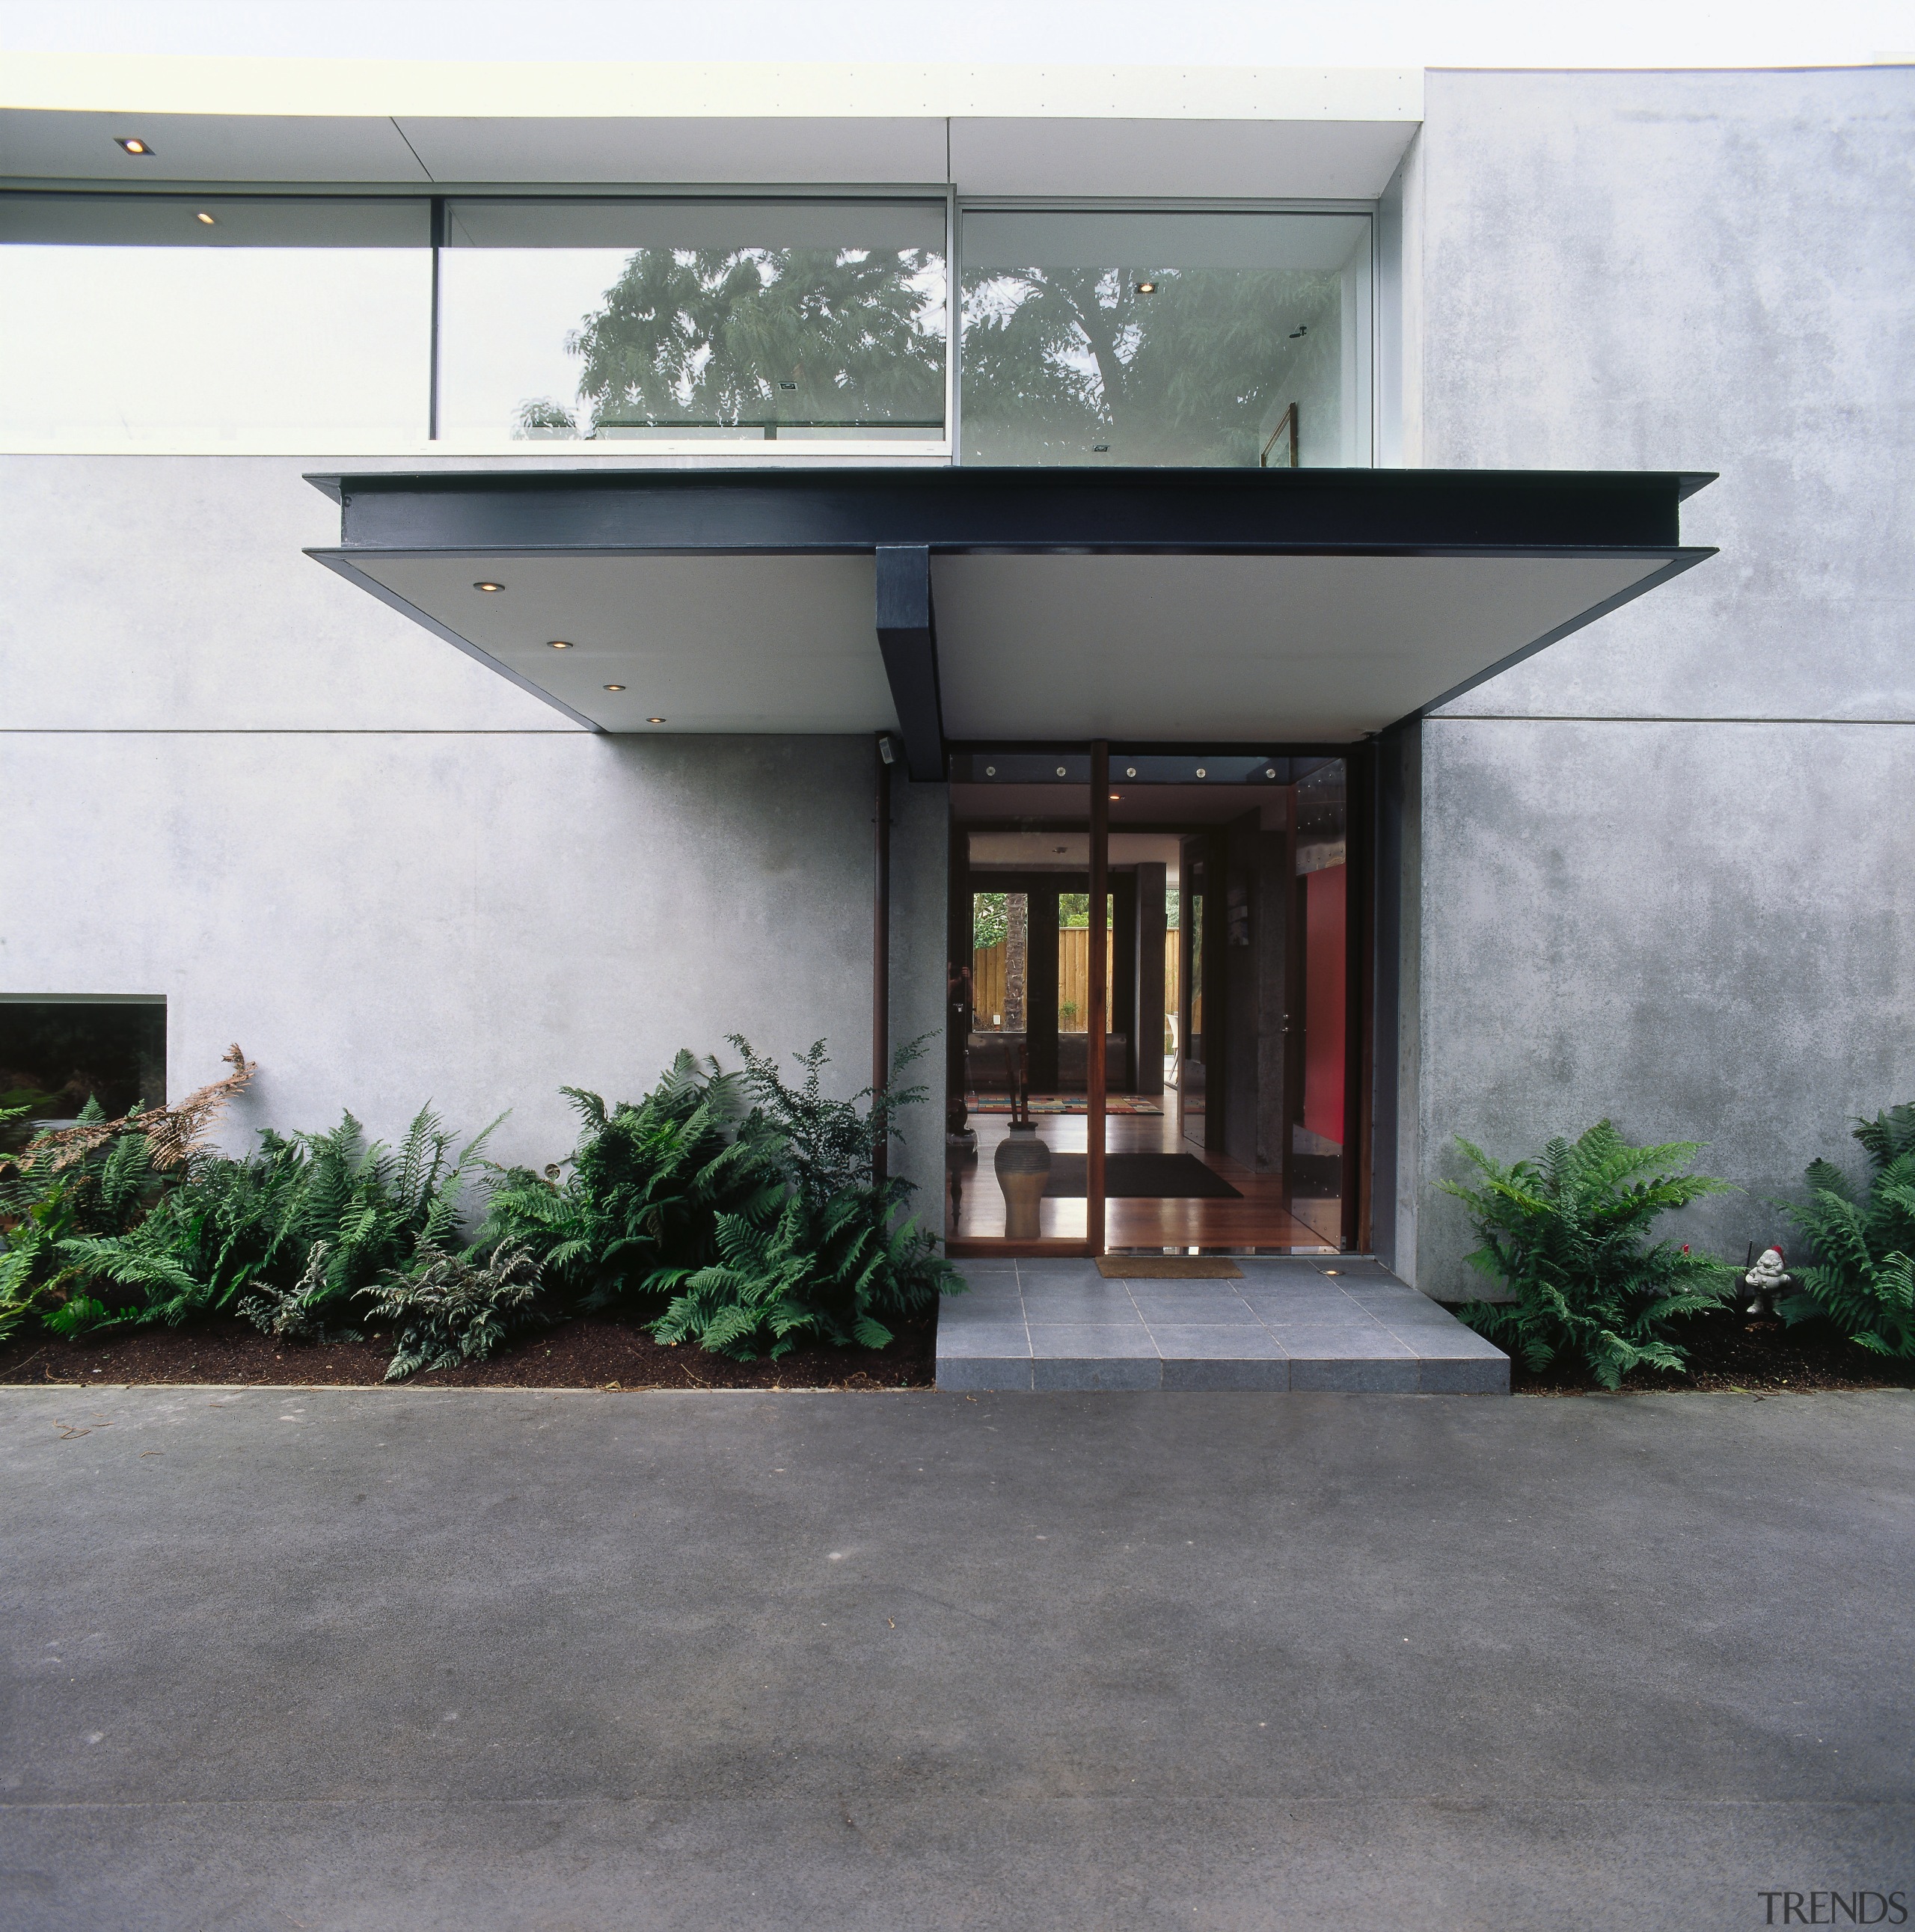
[(1070, 647), (710, 644), (1304, 132), (1229, 648)]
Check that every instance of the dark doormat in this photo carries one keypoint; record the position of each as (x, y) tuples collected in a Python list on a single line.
[(1141, 1176)]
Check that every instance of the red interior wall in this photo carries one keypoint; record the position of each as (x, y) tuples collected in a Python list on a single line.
[(1326, 930)]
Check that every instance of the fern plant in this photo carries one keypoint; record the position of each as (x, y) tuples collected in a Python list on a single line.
[(1863, 1277), (1565, 1234), (331, 1213), (447, 1309), (810, 1272), (639, 1211)]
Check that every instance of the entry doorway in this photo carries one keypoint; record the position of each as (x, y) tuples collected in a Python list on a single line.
[(1231, 1117)]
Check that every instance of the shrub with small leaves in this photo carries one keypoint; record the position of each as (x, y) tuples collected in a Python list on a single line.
[(447, 1309)]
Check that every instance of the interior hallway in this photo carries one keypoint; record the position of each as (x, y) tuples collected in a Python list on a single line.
[(974, 1205)]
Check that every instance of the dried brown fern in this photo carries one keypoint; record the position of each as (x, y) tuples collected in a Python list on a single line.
[(173, 1134)]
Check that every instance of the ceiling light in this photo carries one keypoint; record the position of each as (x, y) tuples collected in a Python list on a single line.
[(488, 586), (1129, 771), (1201, 773), (132, 143), (990, 771), (614, 687), (1271, 772), (1147, 288), (552, 643), (1116, 798), (203, 216), (654, 721)]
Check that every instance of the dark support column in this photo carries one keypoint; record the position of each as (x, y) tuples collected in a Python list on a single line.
[(1097, 1023), (1360, 836), (908, 636), (1123, 974), (881, 951), (1147, 1019)]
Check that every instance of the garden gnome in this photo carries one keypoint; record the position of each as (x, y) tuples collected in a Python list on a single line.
[(1768, 1281)]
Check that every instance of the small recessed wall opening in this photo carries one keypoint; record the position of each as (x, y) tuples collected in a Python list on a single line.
[(58, 1051)]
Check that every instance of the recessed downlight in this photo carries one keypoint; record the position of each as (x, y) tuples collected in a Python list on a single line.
[(555, 643), (203, 217), (132, 144), (488, 586), (614, 687), (654, 721), (1147, 288), (1129, 771)]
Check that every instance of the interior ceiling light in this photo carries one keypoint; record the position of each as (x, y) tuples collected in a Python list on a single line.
[(1060, 772), (1147, 288), (488, 586), (203, 216), (654, 721), (614, 687), (132, 143), (552, 644), (1271, 772), (1116, 798), (1129, 771), (1201, 773)]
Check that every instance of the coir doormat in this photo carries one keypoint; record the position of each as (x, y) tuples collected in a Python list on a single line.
[(1141, 1176)]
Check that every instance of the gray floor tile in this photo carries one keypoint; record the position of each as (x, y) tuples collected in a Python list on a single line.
[(1087, 1339), (1270, 1373), (968, 1375), (1069, 1308), (1186, 1310), (975, 1270), (1352, 1377), (1478, 1377), (984, 1339), (1097, 1373), (1227, 1342), (1339, 1344)]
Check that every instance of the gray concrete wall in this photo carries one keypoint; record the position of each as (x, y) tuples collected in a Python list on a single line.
[(236, 780), (1667, 868)]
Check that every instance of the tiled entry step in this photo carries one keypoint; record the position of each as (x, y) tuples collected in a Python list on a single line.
[(1286, 1324)]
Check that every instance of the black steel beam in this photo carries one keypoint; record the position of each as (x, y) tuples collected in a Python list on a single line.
[(1219, 512), (908, 636)]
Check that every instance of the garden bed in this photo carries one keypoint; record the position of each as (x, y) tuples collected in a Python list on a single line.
[(1740, 1353), (587, 1352)]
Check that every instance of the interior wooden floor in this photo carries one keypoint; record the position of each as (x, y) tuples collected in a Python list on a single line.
[(974, 1205)]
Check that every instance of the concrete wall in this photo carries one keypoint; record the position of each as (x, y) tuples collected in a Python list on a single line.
[(1668, 868), (236, 780)]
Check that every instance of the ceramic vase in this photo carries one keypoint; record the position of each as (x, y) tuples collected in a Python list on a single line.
[(1023, 1163)]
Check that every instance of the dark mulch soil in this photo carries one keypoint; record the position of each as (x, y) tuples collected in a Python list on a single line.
[(588, 1352), (1742, 1355)]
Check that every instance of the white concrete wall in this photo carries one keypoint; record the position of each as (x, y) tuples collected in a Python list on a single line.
[(1669, 866), (236, 780)]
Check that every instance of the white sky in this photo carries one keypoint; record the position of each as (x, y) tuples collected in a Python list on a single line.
[(1279, 33)]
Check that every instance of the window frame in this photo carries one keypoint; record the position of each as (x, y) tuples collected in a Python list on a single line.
[(945, 451)]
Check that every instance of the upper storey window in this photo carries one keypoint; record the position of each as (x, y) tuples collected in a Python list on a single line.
[(630, 323), (1099, 336), (159, 321)]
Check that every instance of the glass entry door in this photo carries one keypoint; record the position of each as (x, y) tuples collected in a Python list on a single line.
[(1032, 1052)]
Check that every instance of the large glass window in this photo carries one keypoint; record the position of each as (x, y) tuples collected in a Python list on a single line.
[(261, 321), (612, 321), (1103, 337)]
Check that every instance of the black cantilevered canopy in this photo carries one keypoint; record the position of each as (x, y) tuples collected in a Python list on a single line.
[(969, 605)]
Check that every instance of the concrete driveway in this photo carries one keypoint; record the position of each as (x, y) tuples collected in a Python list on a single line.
[(328, 1658)]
